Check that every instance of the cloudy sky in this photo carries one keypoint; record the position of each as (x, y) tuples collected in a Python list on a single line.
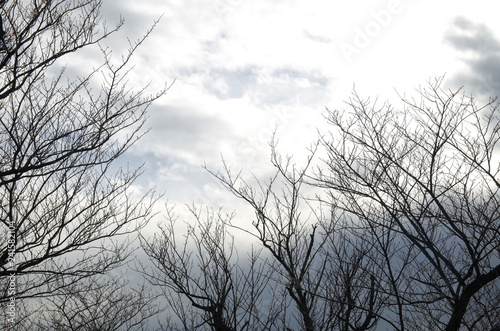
[(243, 69)]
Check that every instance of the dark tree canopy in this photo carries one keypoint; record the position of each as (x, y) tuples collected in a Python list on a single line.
[(421, 183), (395, 226), (64, 205)]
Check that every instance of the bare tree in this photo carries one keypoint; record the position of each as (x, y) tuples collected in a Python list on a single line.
[(421, 183), (105, 303), (63, 205), (324, 274), (203, 279), (410, 239), (35, 33)]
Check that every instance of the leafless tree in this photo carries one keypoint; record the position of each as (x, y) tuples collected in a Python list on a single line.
[(63, 205), (421, 184), (410, 239), (105, 303), (325, 276), (205, 282)]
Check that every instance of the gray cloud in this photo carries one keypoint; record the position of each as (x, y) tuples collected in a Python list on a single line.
[(291, 86), (316, 37), (182, 128), (314, 78), (231, 84), (264, 87), (466, 35), (480, 51)]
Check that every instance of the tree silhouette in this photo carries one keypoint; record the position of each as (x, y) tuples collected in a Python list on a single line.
[(203, 280), (63, 203), (421, 183), (396, 224)]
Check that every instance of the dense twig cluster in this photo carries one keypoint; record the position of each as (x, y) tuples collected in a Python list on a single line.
[(62, 207)]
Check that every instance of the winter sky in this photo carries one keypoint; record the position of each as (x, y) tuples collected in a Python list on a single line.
[(243, 69)]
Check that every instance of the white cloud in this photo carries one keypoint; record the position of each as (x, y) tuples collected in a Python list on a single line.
[(246, 68)]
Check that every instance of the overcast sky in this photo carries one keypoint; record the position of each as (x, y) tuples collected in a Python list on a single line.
[(245, 68)]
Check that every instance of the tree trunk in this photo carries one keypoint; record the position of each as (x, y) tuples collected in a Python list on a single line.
[(460, 307)]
